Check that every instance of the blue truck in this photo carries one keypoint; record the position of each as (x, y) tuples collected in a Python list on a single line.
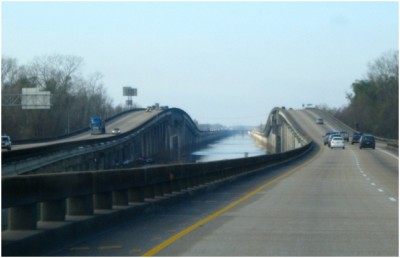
[(97, 125)]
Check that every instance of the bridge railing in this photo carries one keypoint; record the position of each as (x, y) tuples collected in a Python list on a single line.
[(21, 161), (303, 137), (81, 193), (76, 132)]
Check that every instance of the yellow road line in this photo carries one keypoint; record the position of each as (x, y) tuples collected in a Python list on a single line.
[(186, 231)]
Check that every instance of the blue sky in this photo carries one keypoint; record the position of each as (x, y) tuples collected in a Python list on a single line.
[(221, 62)]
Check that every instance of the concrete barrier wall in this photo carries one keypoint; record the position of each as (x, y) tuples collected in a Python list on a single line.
[(34, 200)]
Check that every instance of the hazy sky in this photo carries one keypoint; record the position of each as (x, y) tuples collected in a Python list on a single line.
[(221, 62)]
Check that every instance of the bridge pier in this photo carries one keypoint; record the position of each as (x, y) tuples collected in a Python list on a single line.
[(22, 218), (136, 195), (82, 205), (280, 133), (53, 210), (103, 201), (120, 198)]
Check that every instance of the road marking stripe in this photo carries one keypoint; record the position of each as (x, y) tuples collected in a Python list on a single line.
[(109, 247), (388, 153), (200, 223), (368, 179), (136, 250)]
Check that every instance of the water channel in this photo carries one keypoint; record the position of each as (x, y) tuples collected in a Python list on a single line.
[(233, 147)]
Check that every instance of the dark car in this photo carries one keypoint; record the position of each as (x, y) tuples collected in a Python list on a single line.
[(367, 141), (356, 137), (345, 135)]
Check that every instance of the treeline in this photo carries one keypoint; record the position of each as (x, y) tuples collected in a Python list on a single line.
[(74, 98), (374, 103)]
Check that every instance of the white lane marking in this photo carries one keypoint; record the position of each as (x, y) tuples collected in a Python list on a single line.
[(368, 179), (388, 153)]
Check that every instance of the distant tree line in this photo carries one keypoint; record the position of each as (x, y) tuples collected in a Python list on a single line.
[(374, 103), (74, 98)]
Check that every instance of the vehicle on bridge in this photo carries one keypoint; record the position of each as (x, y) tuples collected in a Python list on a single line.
[(319, 121), (337, 142), (6, 142), (356, 137), (116, 131), (97, 125), (345, 135), (367, 141), (328, 138)]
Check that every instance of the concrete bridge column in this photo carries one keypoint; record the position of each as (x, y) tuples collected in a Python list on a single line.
[(136, 194), (120, 198), (103, 201), (53, 210), (22, 218), (149, 192), (81, 205)]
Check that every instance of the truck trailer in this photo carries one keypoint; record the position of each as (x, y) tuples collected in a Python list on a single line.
[(97, 125)]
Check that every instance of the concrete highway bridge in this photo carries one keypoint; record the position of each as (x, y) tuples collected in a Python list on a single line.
[(303, 200), (163, 135)]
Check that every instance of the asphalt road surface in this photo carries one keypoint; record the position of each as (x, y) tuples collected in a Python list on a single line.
[(329, 203)]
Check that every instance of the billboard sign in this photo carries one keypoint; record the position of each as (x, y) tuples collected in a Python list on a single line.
[(129, 91), (32, 98)]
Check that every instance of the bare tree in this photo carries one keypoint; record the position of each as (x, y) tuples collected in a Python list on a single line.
[(74, 97)]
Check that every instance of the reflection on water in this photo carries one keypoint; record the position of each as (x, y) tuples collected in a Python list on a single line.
[(232, 147)]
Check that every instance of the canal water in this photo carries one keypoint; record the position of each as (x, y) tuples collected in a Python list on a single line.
[(233, 147)]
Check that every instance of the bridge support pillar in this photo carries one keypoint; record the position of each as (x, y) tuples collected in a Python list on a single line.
[(103, 201), (149, 192), (136, 195), (166, 188), (53, 210), (120, 198), (22, 218), (82, 205)]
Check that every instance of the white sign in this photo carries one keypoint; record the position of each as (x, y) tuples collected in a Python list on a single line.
[(32, 98)]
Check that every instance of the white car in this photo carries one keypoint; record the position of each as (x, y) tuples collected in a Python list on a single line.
[(116, 131), (337, 142)]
